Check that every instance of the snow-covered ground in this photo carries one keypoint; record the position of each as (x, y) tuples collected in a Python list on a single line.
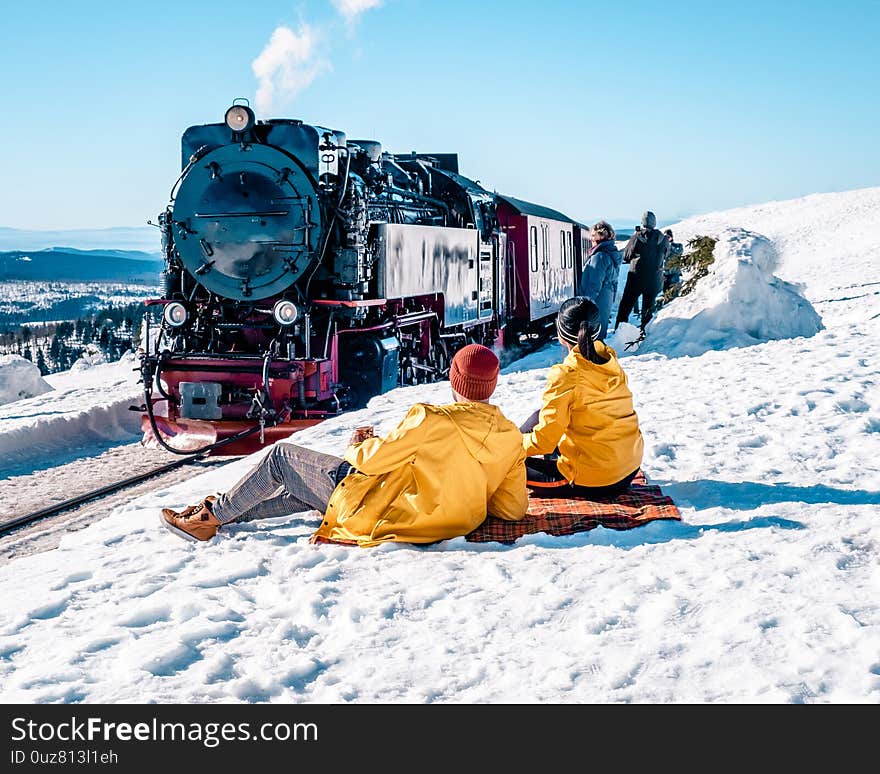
[(767, 591), (86, 412)]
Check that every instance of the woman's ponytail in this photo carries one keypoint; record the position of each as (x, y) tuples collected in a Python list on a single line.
[(585, 339)]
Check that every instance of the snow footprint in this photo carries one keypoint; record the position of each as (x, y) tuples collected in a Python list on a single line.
[(174, 660), (872, 425), (853, 405), (230, 576), (146, 617), (99, 644), (76, 577), (303, 675), (51, 609), (222, 631)]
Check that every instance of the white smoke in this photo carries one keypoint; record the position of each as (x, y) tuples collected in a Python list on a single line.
[(352, 9), (289, 62)]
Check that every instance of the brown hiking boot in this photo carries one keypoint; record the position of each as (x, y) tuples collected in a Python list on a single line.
[(195, 522)]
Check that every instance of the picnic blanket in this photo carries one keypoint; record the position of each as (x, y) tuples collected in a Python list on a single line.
[(640, 504)]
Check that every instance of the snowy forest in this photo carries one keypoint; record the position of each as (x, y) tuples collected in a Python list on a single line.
[(102, 336), (54, 324)]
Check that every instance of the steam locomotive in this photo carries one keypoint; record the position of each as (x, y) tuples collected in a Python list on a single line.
[(306, 272)]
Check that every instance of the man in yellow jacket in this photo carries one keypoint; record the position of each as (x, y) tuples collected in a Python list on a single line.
[(435, 476)]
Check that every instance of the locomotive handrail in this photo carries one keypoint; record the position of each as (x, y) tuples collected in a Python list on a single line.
[(416, 317), (216, 356), (252, 214)]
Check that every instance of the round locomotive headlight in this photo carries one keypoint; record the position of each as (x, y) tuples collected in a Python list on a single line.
[(240, 118), (285, 312), (175, 314)]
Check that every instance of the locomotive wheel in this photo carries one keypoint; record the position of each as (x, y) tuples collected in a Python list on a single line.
[(408, 374), (440, 360)]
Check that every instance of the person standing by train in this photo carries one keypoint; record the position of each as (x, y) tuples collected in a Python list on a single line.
[(435, 476), (646, 254), (602, 268)]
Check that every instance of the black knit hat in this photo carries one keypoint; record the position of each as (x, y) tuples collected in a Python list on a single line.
[(575, 312)]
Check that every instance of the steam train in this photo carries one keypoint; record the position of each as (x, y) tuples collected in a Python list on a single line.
[(306, 272)]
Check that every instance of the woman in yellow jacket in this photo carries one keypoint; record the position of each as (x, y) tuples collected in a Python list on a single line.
[(586, 429), (433, 477)]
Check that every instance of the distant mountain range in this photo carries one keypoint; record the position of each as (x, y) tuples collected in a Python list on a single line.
[(67, 264), (140, 238)]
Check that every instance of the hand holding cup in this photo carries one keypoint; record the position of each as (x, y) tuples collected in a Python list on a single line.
[(361, 434)]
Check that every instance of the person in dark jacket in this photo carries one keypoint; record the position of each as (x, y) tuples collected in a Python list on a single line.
[(646, 254), (602, 267)]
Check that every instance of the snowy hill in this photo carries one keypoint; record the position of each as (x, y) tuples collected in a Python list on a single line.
[(765, 592), (143, 238), (67, 264), (827, 241)]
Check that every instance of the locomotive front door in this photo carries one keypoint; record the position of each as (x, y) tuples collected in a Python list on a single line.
[(487, 280)]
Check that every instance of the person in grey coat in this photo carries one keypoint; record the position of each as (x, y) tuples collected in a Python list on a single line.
[(601, 269)]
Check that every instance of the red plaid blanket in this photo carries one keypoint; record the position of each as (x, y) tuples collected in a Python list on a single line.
[(640, 504)]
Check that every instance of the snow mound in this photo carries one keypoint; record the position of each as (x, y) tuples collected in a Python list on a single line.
[(827, 241), (625, 340), (740, 302), (20, 379), (83, 412), (91, 357)]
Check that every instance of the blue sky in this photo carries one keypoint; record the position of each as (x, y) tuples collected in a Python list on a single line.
[(598, 109)]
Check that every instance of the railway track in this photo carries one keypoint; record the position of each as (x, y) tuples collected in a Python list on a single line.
[(85, 490), (73, 502)]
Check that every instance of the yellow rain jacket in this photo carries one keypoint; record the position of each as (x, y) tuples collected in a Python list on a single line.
[(434, 477), (587, 412)]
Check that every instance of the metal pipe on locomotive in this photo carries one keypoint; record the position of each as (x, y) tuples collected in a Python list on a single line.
[(305, 273)]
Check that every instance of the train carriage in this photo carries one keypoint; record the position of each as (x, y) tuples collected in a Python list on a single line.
[(541, 260)]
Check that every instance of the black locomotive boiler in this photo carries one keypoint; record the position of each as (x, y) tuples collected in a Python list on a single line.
[(306, 272)]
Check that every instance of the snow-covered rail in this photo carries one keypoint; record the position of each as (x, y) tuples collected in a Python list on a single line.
[(95, 494)]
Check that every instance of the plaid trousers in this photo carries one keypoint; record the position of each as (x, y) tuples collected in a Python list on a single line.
[(289, 479)]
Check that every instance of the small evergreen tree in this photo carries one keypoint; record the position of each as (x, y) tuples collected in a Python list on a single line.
[(41, 362), (55, 348), (692, 266)]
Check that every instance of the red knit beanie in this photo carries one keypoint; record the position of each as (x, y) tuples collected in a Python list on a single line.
[(474, 372)]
